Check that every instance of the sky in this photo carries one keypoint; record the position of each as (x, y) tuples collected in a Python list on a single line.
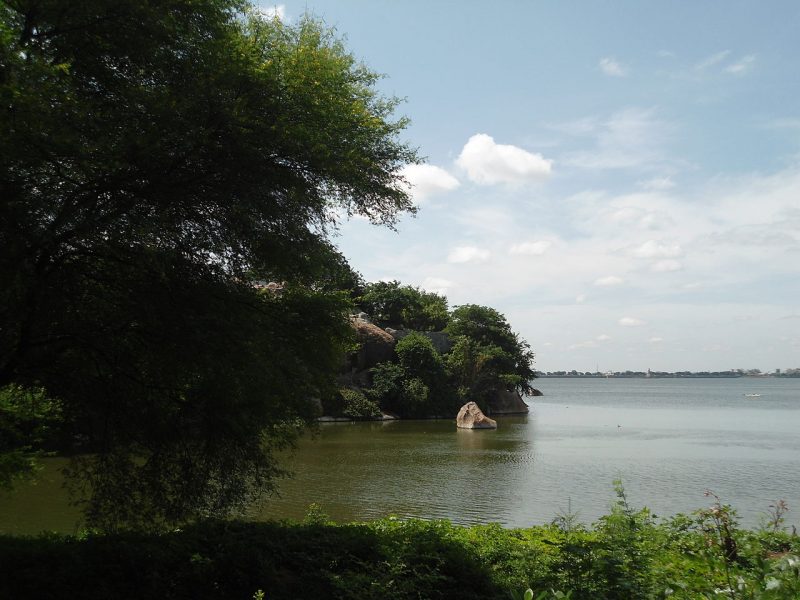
[(620, 179)]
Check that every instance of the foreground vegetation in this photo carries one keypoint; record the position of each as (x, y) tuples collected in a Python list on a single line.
[(625, 555)]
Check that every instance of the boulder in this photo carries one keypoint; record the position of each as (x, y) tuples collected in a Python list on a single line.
[(471, 417), (507, 403), (374, 345)]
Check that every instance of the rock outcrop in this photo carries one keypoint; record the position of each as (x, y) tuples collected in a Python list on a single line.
[(471, 417), (375, 345), (507, 403), (536, 392)]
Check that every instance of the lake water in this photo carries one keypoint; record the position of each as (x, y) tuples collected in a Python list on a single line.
[(667, 439)]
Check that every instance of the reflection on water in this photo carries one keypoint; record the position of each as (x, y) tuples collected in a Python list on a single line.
[(669, 440)]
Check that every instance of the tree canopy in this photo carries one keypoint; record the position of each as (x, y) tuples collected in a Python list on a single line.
[(156, 159), (487, 353), (404, 307)]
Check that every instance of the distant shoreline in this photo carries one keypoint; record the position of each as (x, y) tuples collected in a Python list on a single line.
[(661, 375)]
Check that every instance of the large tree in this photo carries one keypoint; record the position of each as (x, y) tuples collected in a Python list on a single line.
[(157, 158), (487, 354)]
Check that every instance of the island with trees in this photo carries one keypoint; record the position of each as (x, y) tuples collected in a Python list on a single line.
[(415, 358)]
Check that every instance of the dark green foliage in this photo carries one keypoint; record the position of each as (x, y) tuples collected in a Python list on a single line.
[(626, 552), (30, 423), (487, 354), (358, 406), (232, 560), (156, 158), (416, 354), (388, 389), (418, 385), (626, 556), (391, 304)]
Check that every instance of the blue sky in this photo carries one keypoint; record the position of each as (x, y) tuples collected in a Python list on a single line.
[(620, 179)]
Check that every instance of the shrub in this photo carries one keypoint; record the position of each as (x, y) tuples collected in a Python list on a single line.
[(358, 406)]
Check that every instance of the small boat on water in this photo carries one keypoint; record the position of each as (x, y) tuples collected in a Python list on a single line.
[(752, 395)]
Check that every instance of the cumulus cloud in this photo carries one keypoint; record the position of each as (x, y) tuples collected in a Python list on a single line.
[(468, 254), (487, 162), (666, 266), (741, 66), (608, 281), (654, 249), (630, 322), (612, 68), (580, 298), (603, 338), (424, 181), (531, 248), (656, 340)]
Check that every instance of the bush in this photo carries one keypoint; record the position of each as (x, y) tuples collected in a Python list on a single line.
[(625, 556), (358, 406), (351, 403)]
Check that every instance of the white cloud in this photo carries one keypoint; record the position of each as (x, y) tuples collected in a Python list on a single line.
[(742, 66), (531, 248), (590, 343), (437, 285), (787, 124), (629, 138), (656, 340), (666, 266), (487, 162), (608, 281), (485, 221), (712, 60), (468, 254), (666, 54), (654, 249), (583, 126), (275, 11), (580, 298), (658, 184), (427, 180), (612, 68), (630, 322), (579, 345)]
